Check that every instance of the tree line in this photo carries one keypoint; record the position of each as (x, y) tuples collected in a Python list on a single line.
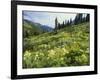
[(78, 19)]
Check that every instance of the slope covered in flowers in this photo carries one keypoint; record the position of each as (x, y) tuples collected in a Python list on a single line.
[(68, 47)]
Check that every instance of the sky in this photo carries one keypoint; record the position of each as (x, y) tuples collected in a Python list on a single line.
[(47, 18)]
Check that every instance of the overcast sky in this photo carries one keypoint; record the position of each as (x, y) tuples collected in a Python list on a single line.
[(47, 18)]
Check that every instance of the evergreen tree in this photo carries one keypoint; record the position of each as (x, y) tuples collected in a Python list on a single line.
[(63, 24), (80, 17), (88, 17), (84, 18), (59, 26), (56, 24), (76, 19), (70, 23)]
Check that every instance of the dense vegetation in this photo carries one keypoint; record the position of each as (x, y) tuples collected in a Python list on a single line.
[(67, 46)]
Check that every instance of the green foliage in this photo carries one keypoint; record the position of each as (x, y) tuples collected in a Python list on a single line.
[(69, 47), (30, 29)]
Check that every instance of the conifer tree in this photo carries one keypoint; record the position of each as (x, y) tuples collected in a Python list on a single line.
[(63, 24), (70, 22), (59, 26), (80, 17), (88, 17), (56, 24)]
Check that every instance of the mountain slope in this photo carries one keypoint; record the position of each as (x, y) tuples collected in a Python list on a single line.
[(69, 47), (32, 28)]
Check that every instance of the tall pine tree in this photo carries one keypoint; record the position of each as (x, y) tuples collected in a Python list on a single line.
[(88, 17), (56, 24)]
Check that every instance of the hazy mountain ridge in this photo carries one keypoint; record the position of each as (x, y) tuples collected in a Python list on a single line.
[(44, 28)]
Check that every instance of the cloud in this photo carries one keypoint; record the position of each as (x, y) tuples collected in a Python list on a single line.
[(47, 18)]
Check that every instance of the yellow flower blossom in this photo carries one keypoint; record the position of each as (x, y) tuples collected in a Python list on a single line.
[(64, 49), (51, 53), (27, 54)]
